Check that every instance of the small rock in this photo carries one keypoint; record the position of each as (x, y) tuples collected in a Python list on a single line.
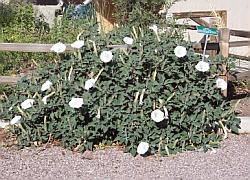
[(3, 157), (88, 155)]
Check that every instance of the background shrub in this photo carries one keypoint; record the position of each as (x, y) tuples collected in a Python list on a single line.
[(19, 24), (139, 12)]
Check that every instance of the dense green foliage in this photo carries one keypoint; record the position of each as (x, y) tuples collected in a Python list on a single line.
[(145, 75), (139, 79)]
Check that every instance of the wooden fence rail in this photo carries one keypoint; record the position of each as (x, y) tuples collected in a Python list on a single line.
[(34, 47), (29, 47), (9, 79), (240, 33), (199, 14)]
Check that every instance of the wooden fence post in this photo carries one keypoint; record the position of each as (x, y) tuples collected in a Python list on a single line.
[(213, 24), (224, 37)]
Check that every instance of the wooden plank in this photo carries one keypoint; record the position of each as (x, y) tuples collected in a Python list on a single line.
[(9, 79), (197, 14), (224, 37), (213, 23), (29, 47), (186, 26), (223, 15), (246, 58), (239, 43), (240, 76), (210, 46), (240, 33), (200, 22)]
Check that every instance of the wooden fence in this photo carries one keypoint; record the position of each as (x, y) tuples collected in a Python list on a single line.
[(220, 44)]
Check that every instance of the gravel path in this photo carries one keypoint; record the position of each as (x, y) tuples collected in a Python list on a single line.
[(231, 161)]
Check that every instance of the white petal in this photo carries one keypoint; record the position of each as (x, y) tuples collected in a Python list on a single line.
[(154, 28), (44, 100), (15, 120), (3, 124), (142, 148), (46, 85), (128, 40), (77, 44), (89, 84), (60, 3), (58, 47), (221, 83), (76, 102), (180, 51), (157, 115), (106, 56), (202, 66), (28, 103), (87, 2)]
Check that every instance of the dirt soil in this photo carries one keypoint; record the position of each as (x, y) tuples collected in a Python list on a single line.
[(243, 108), (229, 162), (238, 92)]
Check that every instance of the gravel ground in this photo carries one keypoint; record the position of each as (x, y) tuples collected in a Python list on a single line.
[(231, 161)]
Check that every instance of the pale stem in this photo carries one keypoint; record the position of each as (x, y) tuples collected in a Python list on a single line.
[(75, 54), (70, 72), (165, 112), (21, 111), (205, 47), (170, 97), (94, 45), (224, 130), (157, 36), (36, 94), (135, 33), (154, 75), (21, 127), (78, 36), (141, 96), (136, 97), (98, 113), (79, 55), (159, 145), (99, 74), (45, 123), (122, 59), (142, 34), (35, 62)]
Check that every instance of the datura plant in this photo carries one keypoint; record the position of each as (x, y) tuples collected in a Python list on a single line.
[(142, 88)]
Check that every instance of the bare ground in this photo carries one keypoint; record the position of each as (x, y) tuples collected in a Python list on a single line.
[(230, 161), (243, 109)]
